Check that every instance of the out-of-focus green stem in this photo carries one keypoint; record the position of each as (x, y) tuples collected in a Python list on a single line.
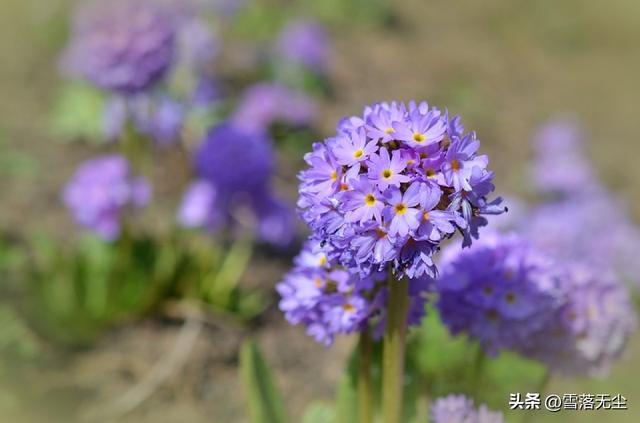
[(394, 350), (365, 384), (478, 370)]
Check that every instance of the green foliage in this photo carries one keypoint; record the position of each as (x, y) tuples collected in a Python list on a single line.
[(319, 412), (453, 364), (348, 12), (264, 400), (78, 291), (78, 113)]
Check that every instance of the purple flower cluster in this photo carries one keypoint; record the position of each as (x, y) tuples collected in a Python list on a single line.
[(265, 104), (392, 184), (560, 166), (234, 169), (328, 299), (508, 295), (460, 409), (589, 332), (124, 46), (101, 190), (304, 43), (501, 291)]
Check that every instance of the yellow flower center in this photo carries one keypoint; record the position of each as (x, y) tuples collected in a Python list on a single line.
[(510, 298), (380, 233), (400, 209), (344, 187), (323, 260), (425, 216), (358, 153), (348, 307), (386, 174), (318, 282), (455, 165), (370, 200), (389, 130), (418, 137), (492, 315), (334, 176)]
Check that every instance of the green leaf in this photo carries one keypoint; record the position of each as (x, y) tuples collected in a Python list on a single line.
[(347, 396), (265, 401)]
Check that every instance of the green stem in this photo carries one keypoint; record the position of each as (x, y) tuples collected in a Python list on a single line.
[(542, 387), (365, 384), (478, 368), (394, 350)]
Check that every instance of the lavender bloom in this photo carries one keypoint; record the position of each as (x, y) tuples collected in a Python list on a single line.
[(124, 46), (392, 184), (560, 165), (304, 43), (500, 291), (589, 332), (265, 104), (101, 190), (460, 409), (234, 168), (329, 300)]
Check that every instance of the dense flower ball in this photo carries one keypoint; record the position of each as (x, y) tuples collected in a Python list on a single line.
[(304, 43), (392, 184), (101, 190), (589, 332), (265, 104), (234, 169), (125, 46), (329, 300), (501, 291), (460, 409)]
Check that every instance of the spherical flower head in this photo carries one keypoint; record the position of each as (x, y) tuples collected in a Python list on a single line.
[(589, 332), (234, 169), (560, 166), (392, 184), (125, 46), (265, 104), (100, 191), (238, 163), (501, 291), (460, 409), (304, 43)]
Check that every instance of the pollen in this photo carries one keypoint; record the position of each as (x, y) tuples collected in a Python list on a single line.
[(430, 172), (344, 187), (386, 174), (389, 130), (357, 154), (381, 233), (348, 307), (455, 164), (425, 216), (334, 176), (370, 200), (418, 137), (323, 260), (400, 209)]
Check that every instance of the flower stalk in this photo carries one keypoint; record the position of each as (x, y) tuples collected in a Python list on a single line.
[(394, 350), (365, 384)]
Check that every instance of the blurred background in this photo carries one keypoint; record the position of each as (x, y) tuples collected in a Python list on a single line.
[(146, 326)]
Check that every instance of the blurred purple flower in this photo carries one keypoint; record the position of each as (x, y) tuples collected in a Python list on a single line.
[(459, 409), (500, 291), (234, 169), (590, 331), (304, 43), (124, 46), (100, 191), (560, 165), (265, 104)]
